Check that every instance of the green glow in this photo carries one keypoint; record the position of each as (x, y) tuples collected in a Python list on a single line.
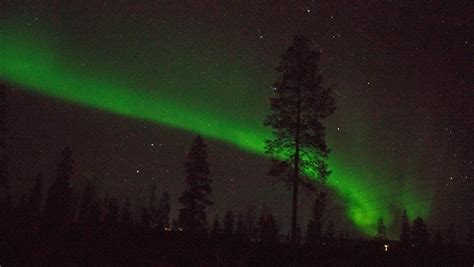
[(223, 98)]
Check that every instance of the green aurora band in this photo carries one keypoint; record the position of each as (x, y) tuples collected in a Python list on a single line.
[(112, 78)]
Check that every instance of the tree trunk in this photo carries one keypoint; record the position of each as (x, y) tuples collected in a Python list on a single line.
[(296, 167)]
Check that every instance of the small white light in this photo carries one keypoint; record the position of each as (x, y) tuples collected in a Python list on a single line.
[(385, 247)]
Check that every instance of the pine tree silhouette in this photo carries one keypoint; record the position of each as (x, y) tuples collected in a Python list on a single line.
[(229, 221), (419, 233), (381, 230), (59, 205), (267, 228), (34, 203), (195, 199), (405, 231), (451, 235), (111, 216), (330, 231), (241, 231), (216, 231), (126, 218), (163, 211), (300, 104), (314, 232), (87, 200), (145, 217)]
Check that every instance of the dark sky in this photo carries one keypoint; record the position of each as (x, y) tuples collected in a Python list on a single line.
[(401, 73)]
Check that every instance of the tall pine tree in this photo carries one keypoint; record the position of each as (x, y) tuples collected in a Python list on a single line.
[(195, 199), (59, 201), (405, 230), (300, 104), (314, 233), (419, 233)]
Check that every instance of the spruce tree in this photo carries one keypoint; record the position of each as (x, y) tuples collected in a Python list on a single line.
[(126, 218), (381, 230), (229, 221), (163, 211), (451, 235), (88, 197), (329, 235), (405, 230), (94, 214), (267, 228), (145, 217), (59, 201), (241, 231), (111, 216), (300, 104), (419, 233), (216, 230), (195, 198), (315, 224)]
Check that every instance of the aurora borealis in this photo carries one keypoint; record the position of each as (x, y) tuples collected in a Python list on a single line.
[(209, 81)]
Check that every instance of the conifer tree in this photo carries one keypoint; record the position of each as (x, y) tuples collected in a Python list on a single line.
[(381, 230), (314, 232), (267, 228), (300, 104), (195, 199), (241, 231), (145, 217), (451, 235), (111, 216), (163, 211), (88, 198), (126, 218), (329, 235), (419, 233), (94, 214), (216, 230), (229, 221), (405, 230), (59, 202)]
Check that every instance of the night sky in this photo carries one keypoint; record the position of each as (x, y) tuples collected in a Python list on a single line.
[(128, 85)]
